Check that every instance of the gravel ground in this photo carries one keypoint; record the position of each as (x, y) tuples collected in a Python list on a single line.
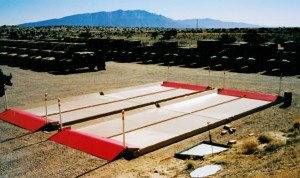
[(31, 155)]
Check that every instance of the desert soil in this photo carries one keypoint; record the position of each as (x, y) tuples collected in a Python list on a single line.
[(24, 154)]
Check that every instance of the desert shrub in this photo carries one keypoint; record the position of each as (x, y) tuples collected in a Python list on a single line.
[(154, 34), (169, 34), (294, 134), (271, 147), (226, 38), (250, 146), (296, 125), (86, 34), (189, 166), (294, 131), (253, 38), (274, 145), (220, 162), (264, 138)]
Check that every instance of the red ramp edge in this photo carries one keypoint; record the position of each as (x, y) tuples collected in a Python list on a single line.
[(249, 94), (23, 119), (185, 86), (101, 147)]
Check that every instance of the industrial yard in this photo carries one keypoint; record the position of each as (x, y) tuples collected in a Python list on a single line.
[(31, 155), (154, 88), (125, 102)]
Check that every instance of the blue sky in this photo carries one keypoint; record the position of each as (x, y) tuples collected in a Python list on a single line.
[(260, 12)]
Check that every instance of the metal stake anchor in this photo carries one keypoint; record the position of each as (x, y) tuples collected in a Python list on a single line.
[(123, 126), (5, 98), (280, 84), (224, 78), (59, 109), (46, 107)]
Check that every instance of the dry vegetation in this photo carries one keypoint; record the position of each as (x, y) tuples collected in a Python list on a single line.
[(33, 156), (250, 146), (184, 37)]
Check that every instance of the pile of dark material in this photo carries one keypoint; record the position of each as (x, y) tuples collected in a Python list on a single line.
[(92, 53), (239, 57), (49, 56), (4, 81)]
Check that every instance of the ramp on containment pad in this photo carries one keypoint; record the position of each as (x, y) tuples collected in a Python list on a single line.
[(116, 102), (96, 105), (159, 127), (95, 99), (23, 119)]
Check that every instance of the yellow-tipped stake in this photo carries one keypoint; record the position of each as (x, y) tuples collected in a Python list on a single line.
[(46, 108), (123, 126), (59, 109)]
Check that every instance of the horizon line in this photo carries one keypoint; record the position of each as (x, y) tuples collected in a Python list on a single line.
[(125, 10)]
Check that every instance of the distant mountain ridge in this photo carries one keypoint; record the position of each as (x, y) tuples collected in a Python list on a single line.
[(135, 18)]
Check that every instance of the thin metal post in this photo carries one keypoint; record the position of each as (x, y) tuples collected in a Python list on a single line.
[(224, 78), (59, 109), (210, 140), (94, 80), (208, 75), (46, 107), (168, 72), (5, 98), (123, 126), (280, 84)]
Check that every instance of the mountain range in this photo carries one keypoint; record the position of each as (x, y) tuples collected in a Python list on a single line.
[(135, 18)]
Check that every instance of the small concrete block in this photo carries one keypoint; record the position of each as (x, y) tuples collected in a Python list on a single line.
[(231, 131), (223, 132), (226, 127), (231, 142)]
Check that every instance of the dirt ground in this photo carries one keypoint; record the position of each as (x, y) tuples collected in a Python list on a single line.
[(31, 155)]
